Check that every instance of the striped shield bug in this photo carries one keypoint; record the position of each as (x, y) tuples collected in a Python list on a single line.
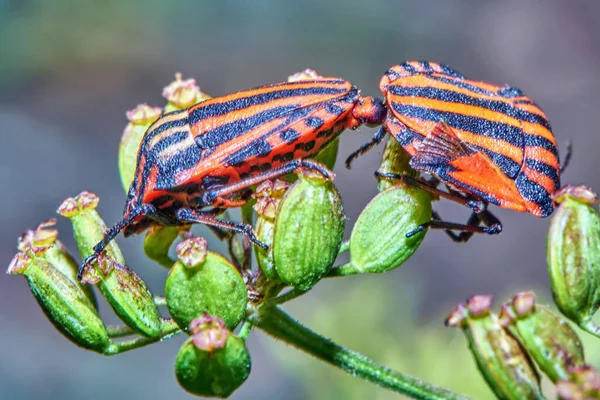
[(487, 143), (209, 155)]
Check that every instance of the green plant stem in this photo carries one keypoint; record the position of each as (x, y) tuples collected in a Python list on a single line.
[(343, 270), (245, 330), (287, 296), (118, 331), (169, 329), (344, 247), (590, 327), (160, 301), (281, 326)]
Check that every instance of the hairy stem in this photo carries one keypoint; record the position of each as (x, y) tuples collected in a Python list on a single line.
[(281, 326), (245, 330), (169, 329), (343, 270)]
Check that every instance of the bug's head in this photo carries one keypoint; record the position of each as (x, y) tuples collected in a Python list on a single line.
[(370, 111)]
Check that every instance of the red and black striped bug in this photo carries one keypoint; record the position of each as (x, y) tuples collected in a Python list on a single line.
[(489, 142), (211, 153)]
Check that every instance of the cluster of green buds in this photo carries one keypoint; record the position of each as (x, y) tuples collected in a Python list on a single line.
[(507, 347), (210, 296)]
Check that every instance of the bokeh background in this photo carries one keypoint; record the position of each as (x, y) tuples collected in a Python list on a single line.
[(70, 70)]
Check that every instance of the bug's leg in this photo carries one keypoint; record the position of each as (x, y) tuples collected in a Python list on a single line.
[(188, 215), (211, 196), (567, 158), (109, 235), (476, 205), (377, 138), (460, 237), (466, 230)]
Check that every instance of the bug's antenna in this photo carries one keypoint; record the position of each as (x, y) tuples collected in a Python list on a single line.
[(569, 153)]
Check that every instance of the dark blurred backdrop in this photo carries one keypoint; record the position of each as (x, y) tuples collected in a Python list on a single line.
[(70, 70)]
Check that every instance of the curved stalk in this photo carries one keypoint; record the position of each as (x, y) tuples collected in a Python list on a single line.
[(281, 326)]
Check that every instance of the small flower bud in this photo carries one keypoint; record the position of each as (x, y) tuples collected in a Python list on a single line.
[(378, 242), (583, 383), (57, 254), (213, 362), (64, 302), (573, 253), (140, 119), (124, 290), (204, 281), (548, 339), (208, 332), (308, 231), (500, 358), (305, 75), (268, 195), (182, 94)]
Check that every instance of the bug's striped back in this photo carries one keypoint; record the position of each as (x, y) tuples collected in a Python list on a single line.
[(499, 121), (223, 139)]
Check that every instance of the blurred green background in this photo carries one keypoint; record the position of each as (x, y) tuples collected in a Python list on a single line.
[(70, 70)]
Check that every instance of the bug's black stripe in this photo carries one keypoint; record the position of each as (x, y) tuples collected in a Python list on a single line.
[(445, 95), (178, 162), (426, 65), (159, 129), (170, 140), (259, 148), (408, 68), (199, 113), (539, 141), (535, 193), (545, 169), (405, 135), (462, 85), (334, 109), (289, 135)]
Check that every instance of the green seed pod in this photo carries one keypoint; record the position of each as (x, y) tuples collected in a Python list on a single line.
[(268, 195), (213, 362), (204, 281), (182, 94), (140, 118), (158, 241), (56, 254), (395, 160), (124, 290), (63, 301), (548, 339), (583, 383), (378, 242), (573, 252), (500, 358), (309, 228)]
